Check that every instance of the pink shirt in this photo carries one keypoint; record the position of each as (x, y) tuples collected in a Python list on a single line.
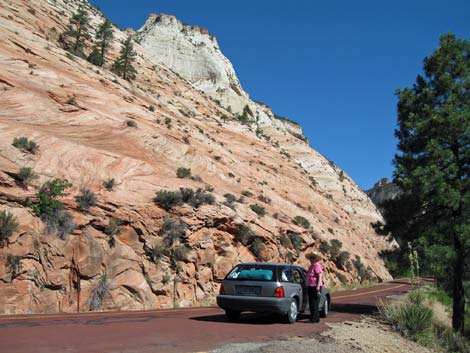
[(312, 275)]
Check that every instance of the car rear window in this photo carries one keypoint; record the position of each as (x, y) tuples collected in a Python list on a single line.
[(252, 273)]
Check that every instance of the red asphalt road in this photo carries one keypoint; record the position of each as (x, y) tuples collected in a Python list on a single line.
[(175, 330)]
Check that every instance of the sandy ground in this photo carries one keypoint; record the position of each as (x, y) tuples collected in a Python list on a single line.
[(368, 335)]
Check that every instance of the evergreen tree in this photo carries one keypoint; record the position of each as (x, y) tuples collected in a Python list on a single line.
[(78, 30), (433, 168), (104, 37), (123, 64)]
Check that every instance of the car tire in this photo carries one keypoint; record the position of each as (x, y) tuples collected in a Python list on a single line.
[(293, 312), (232, 315), (324, 310)]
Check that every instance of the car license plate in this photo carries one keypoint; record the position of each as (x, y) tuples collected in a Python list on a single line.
[(248, 290)]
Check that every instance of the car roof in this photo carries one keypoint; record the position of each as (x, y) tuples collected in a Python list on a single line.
[(269, 264)]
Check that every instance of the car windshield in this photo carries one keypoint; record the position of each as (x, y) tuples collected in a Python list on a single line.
[(253, 273)]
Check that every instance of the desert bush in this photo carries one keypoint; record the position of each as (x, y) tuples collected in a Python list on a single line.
[(109, 183), (50, 209), (26, 145), (156, 253), (179, 253), (285, 241), (14, 265), (332, 248), (131, 123), (413, 319), (8, 224), (342, 259), (247, 193), (168, 199), (244, 235), (86, 200), (113, 227), (174, 231), (26, 176), (98, 293), (198, 198), (59, 222), (264, 199), (297, 242), (301, 222), (230, 200), (257, 247), (259, 210), (183, 173), (152, 108), (168, 122), (71, 100)]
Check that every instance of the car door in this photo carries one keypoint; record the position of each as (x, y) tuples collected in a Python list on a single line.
[(299, 278)]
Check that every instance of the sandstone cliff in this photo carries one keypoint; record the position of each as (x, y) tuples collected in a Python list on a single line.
[(140, 133)]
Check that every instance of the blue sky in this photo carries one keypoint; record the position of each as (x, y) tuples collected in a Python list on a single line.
[(333, 66)]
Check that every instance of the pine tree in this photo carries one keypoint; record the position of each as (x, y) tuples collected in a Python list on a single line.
[(123, 64), (433, 168), (104, 37), (78, 30)]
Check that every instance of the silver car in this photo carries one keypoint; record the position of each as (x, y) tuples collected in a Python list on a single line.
[(268, 287)]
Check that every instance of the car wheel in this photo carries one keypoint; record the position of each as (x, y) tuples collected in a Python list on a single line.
[(324, 310), (232, 315), (293, 312)]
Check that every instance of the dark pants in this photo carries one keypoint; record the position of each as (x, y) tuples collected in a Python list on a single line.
[(313, 302)]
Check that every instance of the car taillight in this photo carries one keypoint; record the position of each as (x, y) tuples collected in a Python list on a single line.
[(222, 290), (279, 292)]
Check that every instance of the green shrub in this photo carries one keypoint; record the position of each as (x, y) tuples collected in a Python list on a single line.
[(168, 122), (180, 253), (152, 108), (183, 173), (14, 265), (8, 225), (342, 259), (71, 100), (247, 193), (113, 227), (259, 210), (109, 183), (297, 242), (51, 210), (264, 199), (301, 222), (333, 248), (168, 199), (244, 235), (413, 319), (174, 231), (285, 241), (26, 145), (131, 123), (86, 200), (59, 222), (26, 176), (257, 247), (98, 293), (230, 201)]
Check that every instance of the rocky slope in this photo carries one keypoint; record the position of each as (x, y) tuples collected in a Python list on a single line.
[(140, 133), (382, 191)]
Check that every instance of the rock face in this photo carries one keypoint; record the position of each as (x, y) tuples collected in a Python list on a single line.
[(155, 258), (382, 191)]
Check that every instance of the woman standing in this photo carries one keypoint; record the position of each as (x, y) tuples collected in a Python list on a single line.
[(314, 283)]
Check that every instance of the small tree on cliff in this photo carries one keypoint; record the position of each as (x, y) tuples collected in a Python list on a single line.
[(104, 37), (76, 33), (123, 64), (433, 168)]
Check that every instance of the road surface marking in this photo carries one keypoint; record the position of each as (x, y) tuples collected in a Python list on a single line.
[(365, 293)]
